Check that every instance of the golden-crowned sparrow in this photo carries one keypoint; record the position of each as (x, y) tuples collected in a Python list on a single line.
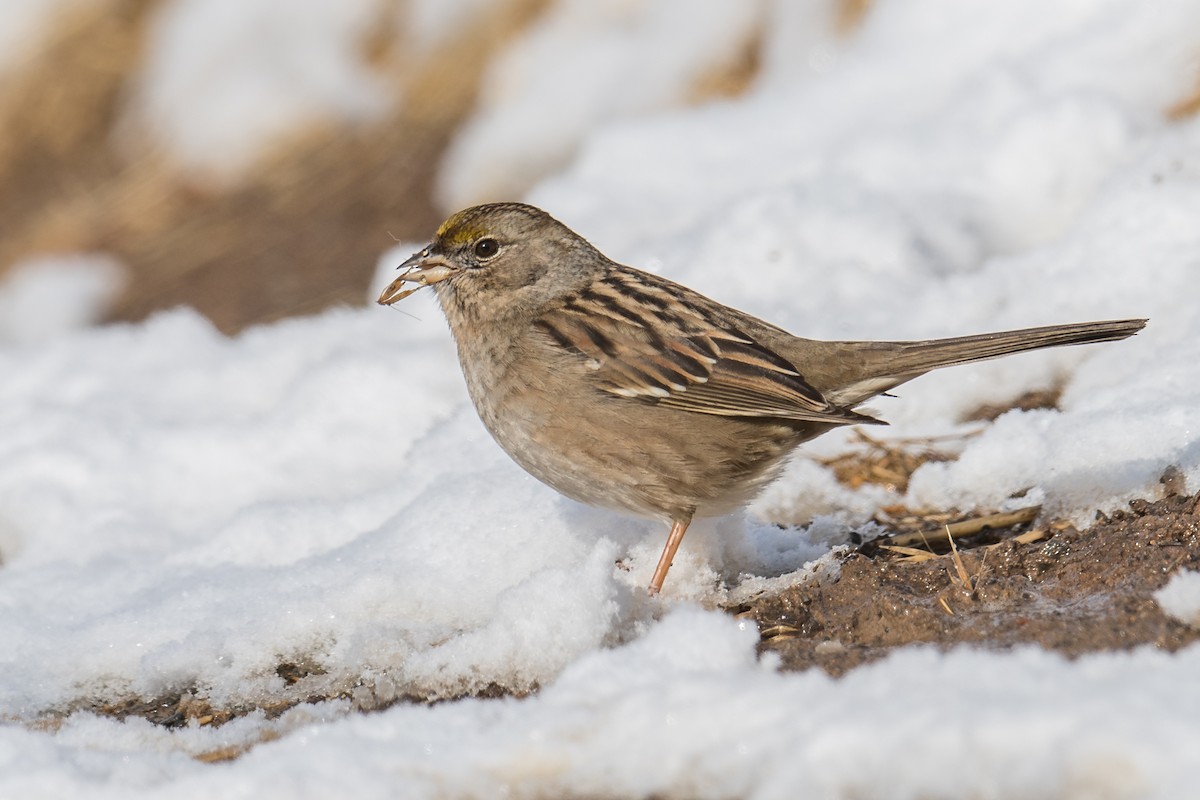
[(625, 390)]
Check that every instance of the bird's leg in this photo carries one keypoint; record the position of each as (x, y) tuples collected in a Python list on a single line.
[(678, 529)]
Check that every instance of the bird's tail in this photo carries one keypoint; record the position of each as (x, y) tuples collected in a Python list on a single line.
[(888, 364)]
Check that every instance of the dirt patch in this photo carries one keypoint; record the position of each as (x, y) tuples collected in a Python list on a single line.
[(1036, 399), (1070, 591)]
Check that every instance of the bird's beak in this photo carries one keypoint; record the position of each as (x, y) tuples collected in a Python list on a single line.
[(424, 269)]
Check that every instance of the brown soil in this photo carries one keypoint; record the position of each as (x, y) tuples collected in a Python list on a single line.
[(1072, 591)]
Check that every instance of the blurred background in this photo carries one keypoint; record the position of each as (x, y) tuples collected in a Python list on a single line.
[(253, 158)]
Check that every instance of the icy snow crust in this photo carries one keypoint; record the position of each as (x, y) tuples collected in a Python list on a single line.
[(179, 510), (1180, 598)]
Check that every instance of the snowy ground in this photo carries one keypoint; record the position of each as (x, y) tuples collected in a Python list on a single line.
[(179, 510)]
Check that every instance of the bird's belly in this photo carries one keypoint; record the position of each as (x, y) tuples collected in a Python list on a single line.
[(637, 457)]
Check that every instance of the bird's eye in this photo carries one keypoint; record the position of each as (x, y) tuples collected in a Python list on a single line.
[(486, 248)]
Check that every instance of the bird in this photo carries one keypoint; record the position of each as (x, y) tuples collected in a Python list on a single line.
[(623, 389)]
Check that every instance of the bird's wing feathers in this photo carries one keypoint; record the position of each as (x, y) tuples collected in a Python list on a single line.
[(689, 360)]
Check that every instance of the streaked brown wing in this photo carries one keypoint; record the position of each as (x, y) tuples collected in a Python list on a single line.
[(690, 361)]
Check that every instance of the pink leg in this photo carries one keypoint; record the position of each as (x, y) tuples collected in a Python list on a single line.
[(678, 529)]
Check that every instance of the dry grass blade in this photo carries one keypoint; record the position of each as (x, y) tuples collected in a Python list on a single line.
[(910, 553), (960, 568), (967, 527), (1028, 537), (234, 751), (779, 631), (221, 754), (887, 463)]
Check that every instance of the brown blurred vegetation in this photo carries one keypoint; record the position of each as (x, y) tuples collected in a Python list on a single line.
[(299, 234), (302, 233), (304, 230)]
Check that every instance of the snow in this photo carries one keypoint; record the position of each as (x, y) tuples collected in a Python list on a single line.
[(582, 63), (225, 80), (1180, 598), (687, 710), (49, 296), (181, 511)]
